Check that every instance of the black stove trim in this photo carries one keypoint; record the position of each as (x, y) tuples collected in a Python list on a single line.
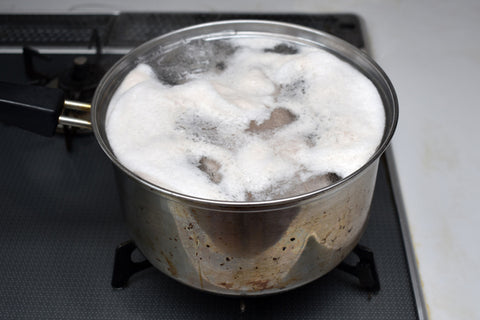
[(130, 29)]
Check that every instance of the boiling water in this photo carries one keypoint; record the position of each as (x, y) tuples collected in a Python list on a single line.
[(245, 119)]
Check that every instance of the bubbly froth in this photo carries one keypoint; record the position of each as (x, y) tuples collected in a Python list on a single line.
[(245, 119)]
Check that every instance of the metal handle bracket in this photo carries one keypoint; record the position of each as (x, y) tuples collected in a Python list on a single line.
[(76, 114)]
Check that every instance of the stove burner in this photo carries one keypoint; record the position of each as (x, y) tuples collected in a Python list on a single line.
[(81, 79), (78, 80), (364, 270)]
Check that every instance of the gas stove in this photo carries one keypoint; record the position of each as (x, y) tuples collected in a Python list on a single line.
[(60, 215)]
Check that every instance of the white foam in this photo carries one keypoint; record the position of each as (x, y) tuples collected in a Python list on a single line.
[(161, 132)]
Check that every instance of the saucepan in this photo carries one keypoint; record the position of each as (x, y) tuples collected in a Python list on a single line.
[(226, 247)]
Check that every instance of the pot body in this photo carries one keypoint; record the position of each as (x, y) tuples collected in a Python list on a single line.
[(245, 248), (248, 250)]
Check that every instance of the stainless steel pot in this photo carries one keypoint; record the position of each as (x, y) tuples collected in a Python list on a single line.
[(245, 248)]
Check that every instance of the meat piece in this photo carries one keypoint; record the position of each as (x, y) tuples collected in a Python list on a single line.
[(211, 168), (295, 187), (314, 183), (278, 118)]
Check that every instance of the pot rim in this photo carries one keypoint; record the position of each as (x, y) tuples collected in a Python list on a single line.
[(229, 26)]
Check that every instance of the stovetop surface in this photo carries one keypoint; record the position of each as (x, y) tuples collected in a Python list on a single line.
[(60, 221)]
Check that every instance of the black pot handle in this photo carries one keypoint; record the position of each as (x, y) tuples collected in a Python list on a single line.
[(38, 109), (31, 108)]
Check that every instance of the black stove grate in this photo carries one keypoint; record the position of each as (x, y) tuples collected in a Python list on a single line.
[(124, 267)]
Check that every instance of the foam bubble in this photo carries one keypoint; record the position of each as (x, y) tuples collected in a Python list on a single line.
[(245, 119)]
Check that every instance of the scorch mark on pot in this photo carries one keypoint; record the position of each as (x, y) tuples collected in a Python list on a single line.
[(227, 285), (171, 266), (200, 277), (259, 285)]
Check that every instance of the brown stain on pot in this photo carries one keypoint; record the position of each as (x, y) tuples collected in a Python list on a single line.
[(259, 285), (227, 285), (171, 266), (200, 277)]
